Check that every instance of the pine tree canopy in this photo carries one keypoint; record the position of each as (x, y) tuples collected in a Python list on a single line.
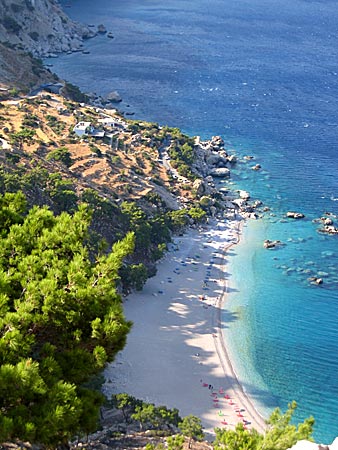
[(61, 320)]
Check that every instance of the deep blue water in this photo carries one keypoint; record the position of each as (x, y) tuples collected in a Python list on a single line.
[(264, 75)]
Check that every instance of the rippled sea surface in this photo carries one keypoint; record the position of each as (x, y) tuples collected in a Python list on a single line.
[(264, 75)]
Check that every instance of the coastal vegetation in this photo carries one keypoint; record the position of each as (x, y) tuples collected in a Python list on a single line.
[(61, 321), (176, 433), (83, 221), (70, 245)]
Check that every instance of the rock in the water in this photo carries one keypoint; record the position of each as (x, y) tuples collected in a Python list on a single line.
[(294, 215), (316, 280), (330, 229), (114, 97), (256, 167), (271, 244), (232, 159), (244, 195), (327, 221), (101, 29)]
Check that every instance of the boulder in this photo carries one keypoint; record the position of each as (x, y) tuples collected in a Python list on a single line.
[(256, 167), (220, 172), (239, 202), (244, 195), (330, 229), (327, 221), (212, 159), (294, 215), (271, 244), (199, 187), (101, 29), (316, 280), (232, 159), (113, 97)]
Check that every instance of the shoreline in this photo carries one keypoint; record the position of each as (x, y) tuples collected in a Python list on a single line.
[(221, 346), (176, 354)]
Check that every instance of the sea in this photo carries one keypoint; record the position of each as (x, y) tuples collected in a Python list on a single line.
[(263, 74)]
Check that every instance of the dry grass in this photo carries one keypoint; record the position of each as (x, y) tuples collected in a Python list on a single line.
[(129, 171)]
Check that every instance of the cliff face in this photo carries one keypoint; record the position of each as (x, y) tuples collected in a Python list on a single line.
[(39, 26), (19, 70)]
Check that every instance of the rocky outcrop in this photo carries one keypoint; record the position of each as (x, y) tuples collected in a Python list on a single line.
[(328, 225), (40, 27), (211, 158), (113, 97)]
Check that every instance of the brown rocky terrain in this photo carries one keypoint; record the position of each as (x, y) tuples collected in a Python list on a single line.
[(123, 164)]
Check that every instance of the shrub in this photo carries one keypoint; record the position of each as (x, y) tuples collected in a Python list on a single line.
[(61, 154)]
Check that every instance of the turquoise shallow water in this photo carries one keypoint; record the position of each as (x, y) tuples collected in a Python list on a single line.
[(284, 341), (264, 75)]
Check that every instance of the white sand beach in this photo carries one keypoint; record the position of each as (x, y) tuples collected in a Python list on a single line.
[(175, 353)]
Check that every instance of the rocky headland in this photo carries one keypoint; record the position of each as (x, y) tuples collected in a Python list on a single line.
[(31, 29)]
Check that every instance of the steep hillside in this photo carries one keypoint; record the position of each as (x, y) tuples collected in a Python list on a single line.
[(135, 175), (119, 174), (39, 27), (19, 70), (33, 28)]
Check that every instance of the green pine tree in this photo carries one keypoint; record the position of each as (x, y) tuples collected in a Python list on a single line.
[(61, 320)]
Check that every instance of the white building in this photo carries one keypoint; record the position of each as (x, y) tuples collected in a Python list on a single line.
[(113, 122), (83, 128)]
